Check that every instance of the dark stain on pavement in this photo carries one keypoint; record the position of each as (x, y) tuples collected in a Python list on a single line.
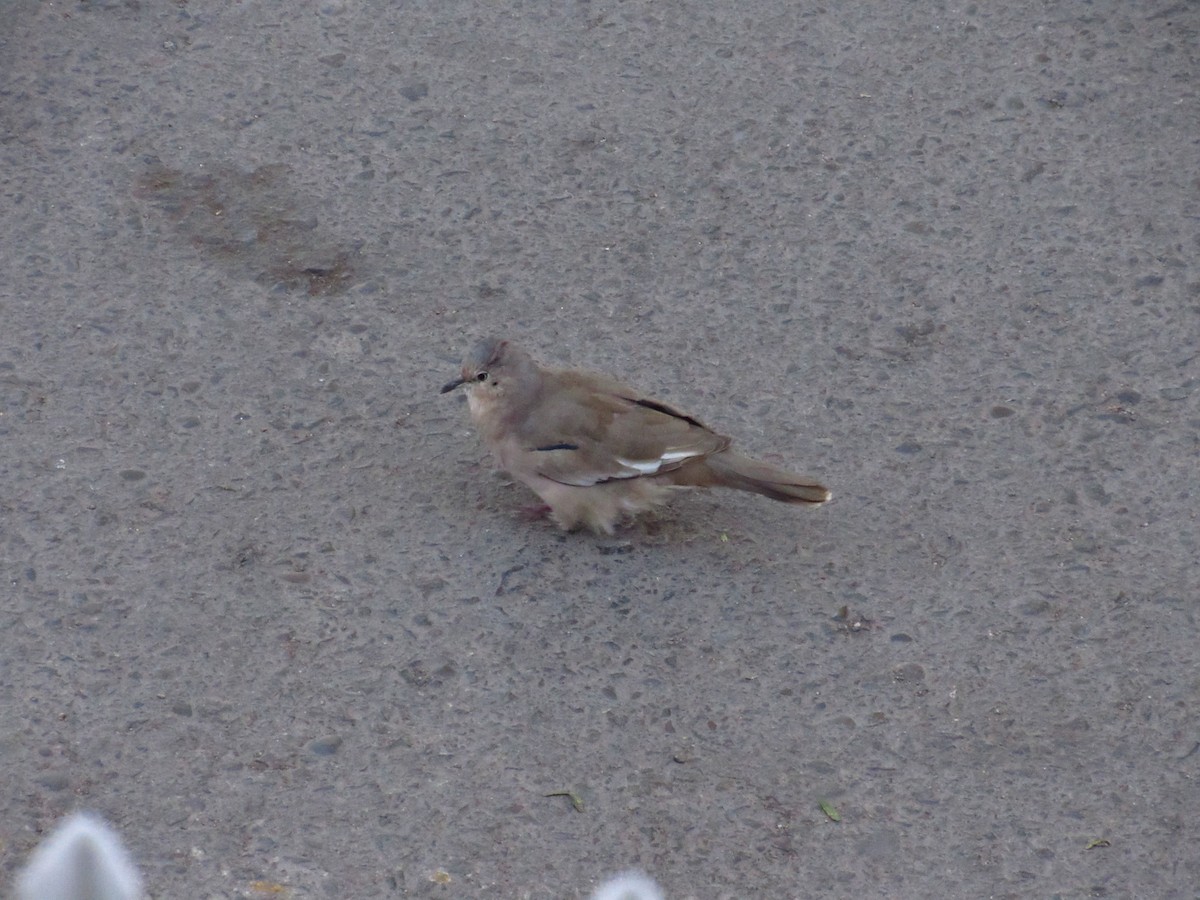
[(253, 223)]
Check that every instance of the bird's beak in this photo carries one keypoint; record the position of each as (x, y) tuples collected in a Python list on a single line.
[(451, 385)]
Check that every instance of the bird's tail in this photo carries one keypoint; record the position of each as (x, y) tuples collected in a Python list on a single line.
[(732, 470)]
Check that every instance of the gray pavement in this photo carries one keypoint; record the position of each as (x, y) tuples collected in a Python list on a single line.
[(270, 612)]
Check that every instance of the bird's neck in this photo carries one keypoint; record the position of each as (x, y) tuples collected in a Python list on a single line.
[(498, 414)]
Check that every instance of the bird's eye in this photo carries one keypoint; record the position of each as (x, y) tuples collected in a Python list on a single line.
[(482, 376)]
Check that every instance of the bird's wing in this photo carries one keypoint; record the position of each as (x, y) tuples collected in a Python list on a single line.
[(590, 430)]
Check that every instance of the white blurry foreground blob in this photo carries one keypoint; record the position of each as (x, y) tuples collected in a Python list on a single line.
[(628, 886), (83, 859)]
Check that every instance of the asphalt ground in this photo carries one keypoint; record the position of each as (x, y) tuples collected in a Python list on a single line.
[(271, 613)]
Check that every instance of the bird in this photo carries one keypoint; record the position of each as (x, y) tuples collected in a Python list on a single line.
[(597, 452)]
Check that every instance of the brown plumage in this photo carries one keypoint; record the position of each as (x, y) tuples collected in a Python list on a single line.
[(596, 451)]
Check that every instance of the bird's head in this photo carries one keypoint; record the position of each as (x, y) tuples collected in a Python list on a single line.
[(494, 369)]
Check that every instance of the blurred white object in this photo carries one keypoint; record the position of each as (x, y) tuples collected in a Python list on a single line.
[(628, 886), (82, 859)]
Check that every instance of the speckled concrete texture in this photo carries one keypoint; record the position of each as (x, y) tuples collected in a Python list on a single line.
[(271, 613)]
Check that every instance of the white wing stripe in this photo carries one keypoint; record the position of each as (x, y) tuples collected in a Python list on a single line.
[(649, 467), (644, 467), (676, 455)]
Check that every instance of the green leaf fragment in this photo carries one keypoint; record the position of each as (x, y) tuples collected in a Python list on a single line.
[(576, 800), (830, 810)]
